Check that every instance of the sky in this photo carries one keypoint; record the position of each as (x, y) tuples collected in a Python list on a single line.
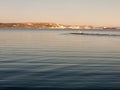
[(77, 12)]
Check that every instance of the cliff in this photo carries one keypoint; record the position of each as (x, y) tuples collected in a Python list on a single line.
[(29, 25), (43, 25)]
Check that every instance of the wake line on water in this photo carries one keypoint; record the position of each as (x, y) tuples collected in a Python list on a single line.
[(95, 34)]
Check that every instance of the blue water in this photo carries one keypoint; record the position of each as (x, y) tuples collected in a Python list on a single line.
[(59, 59)]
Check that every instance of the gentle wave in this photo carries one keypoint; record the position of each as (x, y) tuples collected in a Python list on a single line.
[(95, 34), (47, 60)]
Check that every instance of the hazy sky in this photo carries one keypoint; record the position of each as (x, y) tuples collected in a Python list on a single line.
[(79, 12)]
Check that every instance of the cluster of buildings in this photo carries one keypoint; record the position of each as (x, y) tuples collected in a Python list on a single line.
[(85, 27), (74, 27)]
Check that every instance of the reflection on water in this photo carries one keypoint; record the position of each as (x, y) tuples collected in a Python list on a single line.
[(57, 59)]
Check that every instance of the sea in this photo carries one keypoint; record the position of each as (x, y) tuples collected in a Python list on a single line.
[(59, 59)]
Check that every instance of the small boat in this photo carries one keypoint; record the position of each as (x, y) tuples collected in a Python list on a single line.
[(79, 32)]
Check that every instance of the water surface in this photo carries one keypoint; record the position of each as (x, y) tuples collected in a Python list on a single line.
[(59, 59)]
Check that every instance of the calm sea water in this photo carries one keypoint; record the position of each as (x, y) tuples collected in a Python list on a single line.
[(59, 59)]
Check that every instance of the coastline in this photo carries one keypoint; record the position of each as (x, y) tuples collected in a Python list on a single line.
[(53, 26)]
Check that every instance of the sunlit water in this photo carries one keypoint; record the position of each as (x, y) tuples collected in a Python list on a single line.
[(61, 59)]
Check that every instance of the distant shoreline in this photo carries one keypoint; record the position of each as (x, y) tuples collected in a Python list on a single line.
[(52, 26)]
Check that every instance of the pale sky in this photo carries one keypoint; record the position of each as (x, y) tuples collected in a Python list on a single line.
[(77, 12)]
